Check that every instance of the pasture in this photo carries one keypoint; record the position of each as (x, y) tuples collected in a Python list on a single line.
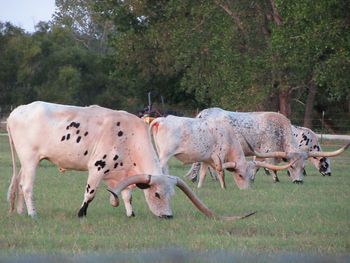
[(313, 218)]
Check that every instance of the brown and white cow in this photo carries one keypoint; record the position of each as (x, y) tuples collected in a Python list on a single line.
[(267, 135), (114, 146), (202, 140)]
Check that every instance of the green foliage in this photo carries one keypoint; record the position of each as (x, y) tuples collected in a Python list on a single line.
[(239, 55)]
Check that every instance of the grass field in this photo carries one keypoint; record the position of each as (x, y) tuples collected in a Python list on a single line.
[(310, 218)]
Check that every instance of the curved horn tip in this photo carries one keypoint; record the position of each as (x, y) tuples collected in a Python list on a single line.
[(249, 214), (114, 194)]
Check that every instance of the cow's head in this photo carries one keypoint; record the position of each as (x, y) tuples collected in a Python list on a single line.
[(244, 172), (323, 164), (298, 159), (158, 190)]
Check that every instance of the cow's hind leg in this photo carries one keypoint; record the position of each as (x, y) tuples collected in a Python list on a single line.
[(90, 191), (20, 197), (26, 187), (127, 198)]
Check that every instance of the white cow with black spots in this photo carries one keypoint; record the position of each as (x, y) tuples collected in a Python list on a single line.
[(200, 140), (114, 146)]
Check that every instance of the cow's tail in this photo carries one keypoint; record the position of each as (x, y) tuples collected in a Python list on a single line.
[(13, 188)]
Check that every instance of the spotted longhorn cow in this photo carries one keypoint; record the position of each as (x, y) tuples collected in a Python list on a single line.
[(267, 135), (114, 146), (202, 140)]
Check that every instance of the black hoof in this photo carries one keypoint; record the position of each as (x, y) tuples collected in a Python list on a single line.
[(83, 210), (132, 214), (276, 180), (166, 216)]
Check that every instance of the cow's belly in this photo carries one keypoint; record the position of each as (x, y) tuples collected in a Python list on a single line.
[(187, 158), (68, 161)]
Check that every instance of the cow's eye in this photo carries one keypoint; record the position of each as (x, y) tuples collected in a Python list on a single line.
[(157, 195)]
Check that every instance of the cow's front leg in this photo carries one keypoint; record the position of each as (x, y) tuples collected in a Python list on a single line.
[(218, 167), (202, 174), (90, 192)]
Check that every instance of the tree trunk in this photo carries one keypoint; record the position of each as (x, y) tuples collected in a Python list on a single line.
[(309, 105), (284, 98)]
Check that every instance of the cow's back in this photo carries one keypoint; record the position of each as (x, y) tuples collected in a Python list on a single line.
[(77, 137), (265, 131)]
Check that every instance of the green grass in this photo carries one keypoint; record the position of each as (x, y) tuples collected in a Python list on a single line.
[(309, 218)]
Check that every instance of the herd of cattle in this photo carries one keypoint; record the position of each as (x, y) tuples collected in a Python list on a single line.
[(117, 147)]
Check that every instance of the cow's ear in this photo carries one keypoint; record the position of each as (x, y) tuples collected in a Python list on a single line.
[(143, 186)]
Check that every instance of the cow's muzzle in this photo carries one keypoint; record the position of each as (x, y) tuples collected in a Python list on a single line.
[(298, 181), (166, 216)]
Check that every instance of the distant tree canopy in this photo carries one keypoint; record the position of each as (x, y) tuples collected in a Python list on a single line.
[(287, 56)]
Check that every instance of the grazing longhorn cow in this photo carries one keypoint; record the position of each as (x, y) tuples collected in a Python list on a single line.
[(111, 145), (307, 138), (203, 140), (267, 135)]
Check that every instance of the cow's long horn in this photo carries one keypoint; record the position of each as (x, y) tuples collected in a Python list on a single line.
[(329, 154), (272, 166), (265, 155), (201, 206), (136, 179)]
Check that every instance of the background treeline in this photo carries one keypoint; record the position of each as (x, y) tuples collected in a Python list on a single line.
[(279, 55)]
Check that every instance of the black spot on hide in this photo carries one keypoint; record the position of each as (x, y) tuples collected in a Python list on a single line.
[(157, 195), (78, 139), (92, 191), (68, 136), (121, 163), (107, 171), (63, 138), (99, 168), (74, 124), (104, 156), (115, 157), (78, 131), (118, 123), (100, 163), (116, 165), (120, 133), (134, 164), (86, 133), (86, 152)]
